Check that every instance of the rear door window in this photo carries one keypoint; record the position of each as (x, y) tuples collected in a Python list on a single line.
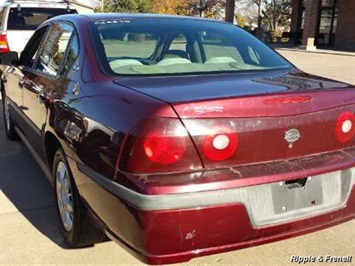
[(29, 54), (54, 49), (29, 18)]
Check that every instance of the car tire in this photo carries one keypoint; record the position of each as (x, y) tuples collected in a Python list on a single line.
[(8, 123), (77, 227)]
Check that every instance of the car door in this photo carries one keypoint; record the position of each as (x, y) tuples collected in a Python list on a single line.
[(44, 81), (14, 77)]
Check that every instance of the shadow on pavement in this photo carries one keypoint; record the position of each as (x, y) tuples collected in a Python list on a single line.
[(27, 188)]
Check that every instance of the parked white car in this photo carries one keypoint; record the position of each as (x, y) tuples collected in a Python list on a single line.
[(19, 19)]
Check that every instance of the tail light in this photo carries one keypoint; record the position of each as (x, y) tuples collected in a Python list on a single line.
[(164, 149), (4, 47), (220, 143), (216, 140), (345, 127), (159, 145)]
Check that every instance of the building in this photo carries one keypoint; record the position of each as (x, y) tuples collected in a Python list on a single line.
[(82, 9), (324, 24)]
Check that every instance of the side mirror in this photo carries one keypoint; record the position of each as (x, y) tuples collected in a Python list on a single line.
[(9, 58)]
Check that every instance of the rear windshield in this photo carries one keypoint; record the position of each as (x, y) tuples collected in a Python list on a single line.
[(29, 18), (148, 46)]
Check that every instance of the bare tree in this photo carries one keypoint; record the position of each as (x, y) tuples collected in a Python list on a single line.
[(277, 13), (206, 8), (258, 4)]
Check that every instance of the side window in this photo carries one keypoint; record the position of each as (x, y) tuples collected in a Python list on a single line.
[(28, 55), (73, 51), (53, 50), (179, 43), (254, 56)]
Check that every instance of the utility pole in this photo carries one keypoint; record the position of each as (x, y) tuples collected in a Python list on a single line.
[(229, 15)]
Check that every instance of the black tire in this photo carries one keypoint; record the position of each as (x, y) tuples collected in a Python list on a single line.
[(8, 124), (82, 232)]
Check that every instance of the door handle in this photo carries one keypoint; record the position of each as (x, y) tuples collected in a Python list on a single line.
[(7, 71), (21, 83), (42, 97)]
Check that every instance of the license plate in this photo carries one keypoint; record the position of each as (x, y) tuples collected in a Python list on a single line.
[(292, 200)]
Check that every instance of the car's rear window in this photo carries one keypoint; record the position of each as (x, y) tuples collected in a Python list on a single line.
[(29, 18), (130, 43), (154, 46)]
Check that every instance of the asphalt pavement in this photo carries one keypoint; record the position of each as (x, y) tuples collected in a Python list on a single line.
[(29, 232)]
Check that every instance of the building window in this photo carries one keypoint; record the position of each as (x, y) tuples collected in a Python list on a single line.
[(328, 17)]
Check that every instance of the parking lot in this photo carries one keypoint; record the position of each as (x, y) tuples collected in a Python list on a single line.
[(29, 232)]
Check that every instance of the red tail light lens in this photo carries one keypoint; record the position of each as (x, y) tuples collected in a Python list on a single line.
[(345, 127), (4, 47), (221, 144), (217, 140), (159, 145), (164, 149)]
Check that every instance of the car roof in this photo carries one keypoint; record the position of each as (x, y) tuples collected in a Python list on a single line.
[(115, 16), (37, 4)]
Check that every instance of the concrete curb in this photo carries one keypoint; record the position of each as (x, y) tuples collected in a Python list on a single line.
[(327, 52)]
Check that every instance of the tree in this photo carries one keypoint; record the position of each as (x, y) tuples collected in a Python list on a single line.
[(173, 7), (241, 20), (277, 13), (141, 6), (230, 6), (205, 8), (258, 4)]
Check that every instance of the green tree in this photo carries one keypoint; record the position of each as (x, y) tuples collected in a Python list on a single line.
[(241, 20), (141, 6), (175, 7)]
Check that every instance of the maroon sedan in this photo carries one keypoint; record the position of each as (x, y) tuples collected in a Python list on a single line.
[(179, 137)]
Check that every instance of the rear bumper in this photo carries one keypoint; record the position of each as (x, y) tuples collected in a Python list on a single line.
[(173, 228), (180, 235)]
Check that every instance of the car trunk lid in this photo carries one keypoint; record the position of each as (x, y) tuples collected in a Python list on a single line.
[(268, 130), (256, 118), (189, 88)]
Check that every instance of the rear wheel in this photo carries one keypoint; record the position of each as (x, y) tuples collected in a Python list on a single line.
[(75, 224), (9, 125)]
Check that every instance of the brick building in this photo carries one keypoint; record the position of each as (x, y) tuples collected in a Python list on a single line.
[(324, 24)]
